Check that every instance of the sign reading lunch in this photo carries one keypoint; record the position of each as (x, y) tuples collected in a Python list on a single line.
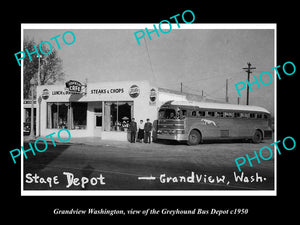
[(73, 87)]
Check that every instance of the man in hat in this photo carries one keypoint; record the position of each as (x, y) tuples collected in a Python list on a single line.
[(132, 129), (147, 130)]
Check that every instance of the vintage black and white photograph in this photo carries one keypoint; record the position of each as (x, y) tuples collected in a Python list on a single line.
[(118, 109)]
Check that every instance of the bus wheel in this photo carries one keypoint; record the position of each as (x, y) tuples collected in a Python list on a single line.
[(257, 137), (194, 138)]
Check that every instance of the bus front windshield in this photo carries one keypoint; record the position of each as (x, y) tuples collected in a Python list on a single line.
[(171, 114)]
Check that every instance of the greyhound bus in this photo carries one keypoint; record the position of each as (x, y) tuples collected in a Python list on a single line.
[(195, 122)]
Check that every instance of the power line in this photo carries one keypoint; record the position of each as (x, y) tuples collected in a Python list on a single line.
[(214, 97), (207, 94), (150, 60), (201, 79), (193, 89)]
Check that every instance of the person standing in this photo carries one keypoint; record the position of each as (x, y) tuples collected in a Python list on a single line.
[(147, 130), (132, 129), (140, 136)]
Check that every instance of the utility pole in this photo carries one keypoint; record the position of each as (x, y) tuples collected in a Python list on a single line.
[(226, 97), (248, 70), (181, 87)]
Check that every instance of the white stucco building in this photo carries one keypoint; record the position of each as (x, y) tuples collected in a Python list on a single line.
[(99, 109)]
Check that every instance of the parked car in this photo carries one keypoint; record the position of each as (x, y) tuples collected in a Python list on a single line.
[(26, 128)]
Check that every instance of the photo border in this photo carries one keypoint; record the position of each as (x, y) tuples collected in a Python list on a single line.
[(135, 26)]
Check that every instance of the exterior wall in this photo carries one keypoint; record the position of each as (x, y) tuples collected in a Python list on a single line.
[(97, 93)]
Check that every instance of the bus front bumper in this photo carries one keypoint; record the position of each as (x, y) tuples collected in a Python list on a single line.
[(177, 137)]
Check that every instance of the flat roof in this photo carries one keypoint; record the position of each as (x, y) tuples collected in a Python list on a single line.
[(224, 106)]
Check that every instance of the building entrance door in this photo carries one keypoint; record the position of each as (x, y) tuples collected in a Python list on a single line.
[(97, 124)]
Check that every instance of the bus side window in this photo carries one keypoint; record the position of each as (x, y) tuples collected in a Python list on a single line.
[(211, 114), (228, 114), (237, 115), (201, 113), (219, 114), (259, 116), (181, 114), (252, 115), (244, 115), (265, 116), (193, 113)]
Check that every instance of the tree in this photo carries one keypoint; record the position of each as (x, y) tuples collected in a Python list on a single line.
[(51, 67)]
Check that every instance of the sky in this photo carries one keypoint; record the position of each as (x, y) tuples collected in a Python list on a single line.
[(200, 59)]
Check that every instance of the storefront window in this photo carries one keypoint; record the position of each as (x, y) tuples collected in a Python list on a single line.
[(78, 121), (66, 115), (117, 115), (98, 116), (57, 115), (28, 115)]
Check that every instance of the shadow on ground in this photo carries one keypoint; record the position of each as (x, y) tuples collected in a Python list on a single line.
[(41, 159), (217, 141)]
